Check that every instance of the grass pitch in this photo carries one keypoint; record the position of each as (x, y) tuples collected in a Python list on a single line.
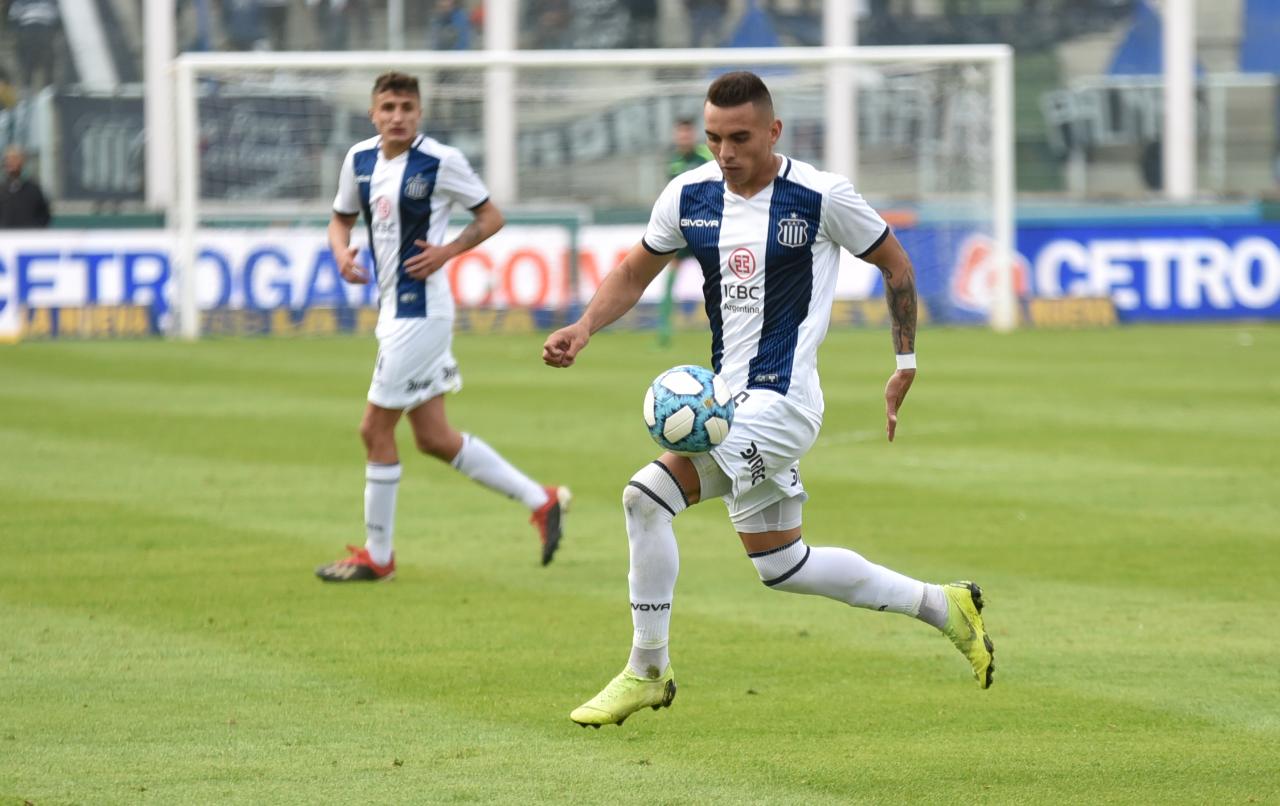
[(162, 507)]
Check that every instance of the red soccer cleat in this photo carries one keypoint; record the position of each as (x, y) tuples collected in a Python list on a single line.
[(547, 519), (358, 567)]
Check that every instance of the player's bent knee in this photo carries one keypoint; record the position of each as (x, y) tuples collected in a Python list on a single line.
[(432, 445), (653, 492)]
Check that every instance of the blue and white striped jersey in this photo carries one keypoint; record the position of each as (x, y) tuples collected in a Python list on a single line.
[(769, 266), (403, 200)]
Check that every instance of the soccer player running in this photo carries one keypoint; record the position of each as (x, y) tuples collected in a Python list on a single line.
[(405, 183), (767, 231)]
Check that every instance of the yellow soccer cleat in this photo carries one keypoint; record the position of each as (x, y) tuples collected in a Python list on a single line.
[(966, 630), (626, 694)]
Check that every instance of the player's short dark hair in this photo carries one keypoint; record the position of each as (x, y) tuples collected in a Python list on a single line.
[(392, 81), (736, 89)]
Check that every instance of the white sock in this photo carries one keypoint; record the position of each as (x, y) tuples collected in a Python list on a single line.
[(651, 501), (839, 574), (481, 463), (380, 485)]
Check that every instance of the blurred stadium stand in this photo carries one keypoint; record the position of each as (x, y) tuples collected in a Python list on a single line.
[(1086, 105)]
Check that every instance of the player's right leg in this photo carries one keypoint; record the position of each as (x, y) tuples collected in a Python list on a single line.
[(787, 563), (651, 500), (375, 561)]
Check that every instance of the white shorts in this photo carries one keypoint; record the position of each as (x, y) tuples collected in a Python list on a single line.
[(415, 363), (760, 461)]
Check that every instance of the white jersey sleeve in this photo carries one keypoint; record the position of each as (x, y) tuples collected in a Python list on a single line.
[(347, 202), (849, 221), (459, 182), (663, 234)]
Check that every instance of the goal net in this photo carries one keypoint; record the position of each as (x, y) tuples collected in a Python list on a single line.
[(923, 132)]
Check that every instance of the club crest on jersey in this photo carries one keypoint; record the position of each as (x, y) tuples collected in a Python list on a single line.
[(416, 187), (793, 231)]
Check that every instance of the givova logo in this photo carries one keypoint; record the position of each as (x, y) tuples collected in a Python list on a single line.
[(650, 607), (699, 222)]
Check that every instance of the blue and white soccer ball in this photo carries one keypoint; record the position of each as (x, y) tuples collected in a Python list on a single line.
[(688, 409)]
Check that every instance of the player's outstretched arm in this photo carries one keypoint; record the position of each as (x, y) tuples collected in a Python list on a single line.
[(488, 220), (340, 226), (900, 296), (618, 294)]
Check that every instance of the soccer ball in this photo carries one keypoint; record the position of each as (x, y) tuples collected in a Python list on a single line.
[(688, 409)]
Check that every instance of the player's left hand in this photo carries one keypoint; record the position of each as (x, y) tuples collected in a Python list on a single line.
[(563, 346), (895, 391), (428, 261)]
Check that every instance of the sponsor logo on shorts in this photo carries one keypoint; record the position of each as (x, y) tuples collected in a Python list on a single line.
[(418, 386), (646, 607), (755, 463), (449, 373)]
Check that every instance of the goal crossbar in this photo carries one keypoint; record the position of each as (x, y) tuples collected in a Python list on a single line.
[(499, 68)]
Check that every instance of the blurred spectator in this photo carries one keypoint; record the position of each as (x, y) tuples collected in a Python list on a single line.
[(22, 203), (644, 23), (961, 8), (548, 25), (36, 23), (242, 23), (687, 153), (275, 19), (8, 91), (449, 27), (599, 24), (332, 19), (706, 22), (884, 8)]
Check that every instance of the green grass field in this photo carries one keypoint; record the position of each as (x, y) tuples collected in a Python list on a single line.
[(163, 640)]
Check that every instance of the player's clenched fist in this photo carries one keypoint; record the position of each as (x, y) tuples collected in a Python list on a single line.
[(563, 346)]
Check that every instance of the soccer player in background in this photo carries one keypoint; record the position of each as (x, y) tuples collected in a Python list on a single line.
[(767, 231), (687, 154), (405, 183)]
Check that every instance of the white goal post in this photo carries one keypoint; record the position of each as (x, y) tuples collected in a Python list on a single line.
[(523, 109)]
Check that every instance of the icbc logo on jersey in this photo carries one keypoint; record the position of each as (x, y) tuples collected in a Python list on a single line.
[(382, 207), (742, 263)]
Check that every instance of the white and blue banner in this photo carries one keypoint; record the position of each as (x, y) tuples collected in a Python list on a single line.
[(1160, 274), (1150, 273)]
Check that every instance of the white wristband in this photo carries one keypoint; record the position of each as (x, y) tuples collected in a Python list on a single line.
[(906, 360)]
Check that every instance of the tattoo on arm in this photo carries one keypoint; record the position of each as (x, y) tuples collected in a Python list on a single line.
[(900, 295)]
